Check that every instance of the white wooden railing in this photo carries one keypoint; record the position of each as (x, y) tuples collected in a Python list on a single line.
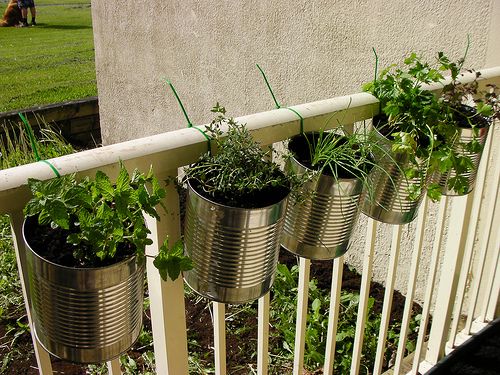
[(468, 239)]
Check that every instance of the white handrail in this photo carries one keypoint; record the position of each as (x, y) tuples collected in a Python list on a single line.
[(168, 151)]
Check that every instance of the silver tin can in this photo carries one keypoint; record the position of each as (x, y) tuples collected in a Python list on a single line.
[(386, 195), (85, 315), (320, 226), (465, 136), (234, 250)]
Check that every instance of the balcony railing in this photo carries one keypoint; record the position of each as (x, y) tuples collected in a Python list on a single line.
[(460, 257)]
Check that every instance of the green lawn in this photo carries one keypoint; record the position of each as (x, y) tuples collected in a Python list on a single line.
[(51, 62)]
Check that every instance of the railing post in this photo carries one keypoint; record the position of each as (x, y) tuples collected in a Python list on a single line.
[(364, 295), (429, 289), (493, 306), (450, 271), (389, 291), (114, 367), (220, 337), (300, 325), (168, 317), (485, 237), (263, 335), (42, 356), (412, 280), (333, 316)]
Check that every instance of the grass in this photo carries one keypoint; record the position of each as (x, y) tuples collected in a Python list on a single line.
[(49, 63)]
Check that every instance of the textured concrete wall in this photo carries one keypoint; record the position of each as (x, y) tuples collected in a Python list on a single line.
[(311, 50)]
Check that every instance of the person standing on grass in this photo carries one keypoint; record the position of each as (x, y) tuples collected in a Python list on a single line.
[(24, 5)]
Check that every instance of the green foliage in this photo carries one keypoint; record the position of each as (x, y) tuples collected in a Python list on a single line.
[(171, 262), (239, 167), (456, 114), (99, 216), (411, 115), (97, 213), (283, 314), (55, 60), (340, 154)]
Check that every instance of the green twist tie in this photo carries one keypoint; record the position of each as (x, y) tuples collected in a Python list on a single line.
[(56, 172), (300, 118), (278, 106), (190, 124), (31, 136), (269, 87)]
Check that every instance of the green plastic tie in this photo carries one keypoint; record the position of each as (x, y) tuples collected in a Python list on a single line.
[(300, 117), (269, 86), (376, 63), (190, 124), (56, 172), (278, 106), (31, 136)]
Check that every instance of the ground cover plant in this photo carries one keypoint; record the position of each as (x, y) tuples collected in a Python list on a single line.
[(51, 62)]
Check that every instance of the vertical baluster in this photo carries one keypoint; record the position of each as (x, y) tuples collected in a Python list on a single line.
[(300, 326), (494, 250), (471, 237), (333, 316), (220, 338), (447, 287), (493, 299), (433, 265), (389, 291), (364, 295), (168, 317), (42, 356), (114, 367), (412, 281), (490, 204), (263, 336)]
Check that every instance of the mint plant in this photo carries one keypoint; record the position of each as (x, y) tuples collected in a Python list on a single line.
[(171, 262), (102, 220)]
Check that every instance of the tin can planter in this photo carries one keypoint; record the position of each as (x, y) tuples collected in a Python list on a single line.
[(465, 136), (85, 315), (319, 225), (234, 250), (388, 199)]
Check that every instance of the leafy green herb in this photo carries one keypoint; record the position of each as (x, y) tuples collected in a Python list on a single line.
[(457, 113), (411, 115), (171, 262), (239, 169), (97, 213)]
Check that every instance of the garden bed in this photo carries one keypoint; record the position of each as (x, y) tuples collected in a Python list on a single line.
[(241, 322)]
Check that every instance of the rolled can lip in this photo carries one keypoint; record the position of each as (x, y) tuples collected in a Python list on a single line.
[(26, 241), (212, 202)]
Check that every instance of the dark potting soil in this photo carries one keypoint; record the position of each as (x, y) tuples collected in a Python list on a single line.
[(247, 199), (466, 116), (51, 244), (241, 336), (387, 130)]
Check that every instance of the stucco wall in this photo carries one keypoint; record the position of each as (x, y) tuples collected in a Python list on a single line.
[(311, 50)]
